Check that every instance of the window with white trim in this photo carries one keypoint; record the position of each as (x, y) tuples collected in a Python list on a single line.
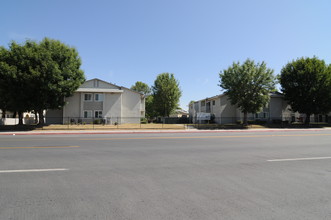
[(98, 97), (98, 114), (87, 114), (88, 97)]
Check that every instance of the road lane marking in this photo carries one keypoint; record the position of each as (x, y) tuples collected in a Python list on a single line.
[(204, 137), (298, 159), (33, 170), (3, 148), (22, 140)]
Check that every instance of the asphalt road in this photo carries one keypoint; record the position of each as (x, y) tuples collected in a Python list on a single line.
[(230, 175)]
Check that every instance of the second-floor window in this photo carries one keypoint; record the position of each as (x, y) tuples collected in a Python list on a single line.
[(98, 97), (88, 97)]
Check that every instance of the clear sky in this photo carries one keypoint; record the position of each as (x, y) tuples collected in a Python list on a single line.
[(125, 41)]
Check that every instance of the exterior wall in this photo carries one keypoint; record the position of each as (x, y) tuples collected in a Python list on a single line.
[(228, 112), (216, 109), (142, 107), (112, 105), (194, 110), (276, 107), (131, 110), (279, 108), (91, 105), (73, 106)]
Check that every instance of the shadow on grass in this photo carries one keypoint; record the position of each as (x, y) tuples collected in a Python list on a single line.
[(218, 127), (257, 126), (4, 128)]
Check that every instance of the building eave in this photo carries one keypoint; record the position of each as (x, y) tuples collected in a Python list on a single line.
[(99, 90)]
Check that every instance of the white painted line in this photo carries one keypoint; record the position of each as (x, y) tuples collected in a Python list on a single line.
[(297, 159), (33, 170)]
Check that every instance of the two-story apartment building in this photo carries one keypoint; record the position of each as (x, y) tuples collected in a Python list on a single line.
[(220, 109), (97, 99)]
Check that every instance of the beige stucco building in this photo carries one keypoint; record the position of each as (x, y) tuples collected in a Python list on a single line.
[(99, 100), (223, 112)]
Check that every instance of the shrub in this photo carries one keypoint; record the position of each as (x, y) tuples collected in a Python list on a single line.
[(260, 122), (72, 121), (239, 122), (143, 120)]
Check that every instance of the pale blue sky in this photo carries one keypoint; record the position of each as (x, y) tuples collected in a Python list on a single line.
[(126, 41)]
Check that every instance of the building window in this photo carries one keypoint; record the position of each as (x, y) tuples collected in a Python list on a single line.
[(203, 103), (88, 114), (98, 97), (88, 97), (97, 114), (213, 102)]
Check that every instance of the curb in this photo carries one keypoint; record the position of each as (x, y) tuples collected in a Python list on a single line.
[(153, 132)]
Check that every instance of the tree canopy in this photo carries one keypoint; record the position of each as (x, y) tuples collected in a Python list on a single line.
[(5, 72), (166, 94), (142, 88), (306, 84), (248, 85), (150, 107), (38, 75)]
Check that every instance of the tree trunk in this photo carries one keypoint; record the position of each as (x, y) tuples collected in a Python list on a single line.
[(41, 117), (307, 121), (245, 118), (3, 113), (35, 116), (20, 118)]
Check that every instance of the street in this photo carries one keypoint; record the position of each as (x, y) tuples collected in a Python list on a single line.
[(214, 175)]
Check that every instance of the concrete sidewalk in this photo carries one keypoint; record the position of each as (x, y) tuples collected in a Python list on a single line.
[(74, 132)]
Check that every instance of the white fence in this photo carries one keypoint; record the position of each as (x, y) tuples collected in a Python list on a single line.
[(14, 121)]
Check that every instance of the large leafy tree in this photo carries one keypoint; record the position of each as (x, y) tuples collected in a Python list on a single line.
[(57, 68), (42, 75), (166, 94), (15, 83), (248, 85), (142, 88), (4, 72), (306, 84)]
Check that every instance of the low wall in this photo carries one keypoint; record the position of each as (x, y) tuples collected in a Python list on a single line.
[(14, 121)]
